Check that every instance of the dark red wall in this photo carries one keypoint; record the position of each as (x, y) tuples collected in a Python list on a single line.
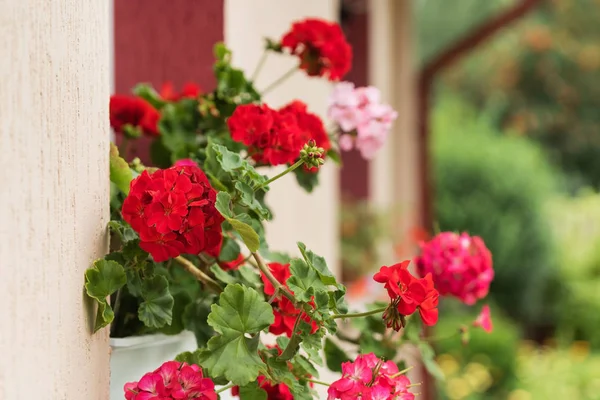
[(354, 174), (159, 40), (165, 40)]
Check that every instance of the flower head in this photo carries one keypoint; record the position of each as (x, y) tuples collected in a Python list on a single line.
[(133, 113), (172, 380), (321, 47), (363, 120), (369, 377), (407, 294), (460, 265), (272, 137), (484, 320), (173, 210), (189, 91)]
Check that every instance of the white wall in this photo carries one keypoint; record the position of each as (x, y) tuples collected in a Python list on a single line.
[(53, 196), (310, 218)]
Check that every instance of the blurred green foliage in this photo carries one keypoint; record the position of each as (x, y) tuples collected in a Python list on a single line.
[(494, 186), (539, 77), (576, 226)]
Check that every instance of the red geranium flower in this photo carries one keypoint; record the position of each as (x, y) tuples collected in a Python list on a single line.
[(190, 91), (310, 126), (321, 47), (133, 111), (407, 294), (173, 210), (272, 137), (234, 264)]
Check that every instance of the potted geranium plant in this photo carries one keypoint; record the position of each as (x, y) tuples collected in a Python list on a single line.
[(188, 251)]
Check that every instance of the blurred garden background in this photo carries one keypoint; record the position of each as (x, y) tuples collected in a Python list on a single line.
[(515, 153)]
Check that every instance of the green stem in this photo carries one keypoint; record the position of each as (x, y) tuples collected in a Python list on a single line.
[(259, 66), (318, 382), (224, 388), (277, 81), (276, 284), (287, 171), (358, 315), (401, 372), (198, 274)]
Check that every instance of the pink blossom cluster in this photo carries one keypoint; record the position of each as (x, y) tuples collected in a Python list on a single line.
[(460, 264), (364, 121), (370, 378), (172, 380)]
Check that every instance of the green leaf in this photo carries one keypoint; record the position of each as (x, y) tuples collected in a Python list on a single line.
[(223, 204), (102, 280), (307, 180), (250, 276), (304, 281), (230, 250), (181, 301), (120, 173), (319, 265), (148, 93), (251, 391), (248, 235), (334, 156), (124, 231), (156, 310), (221, 51), (221, 275), (239, 317), (303, 367), (428, 358), (194, 319), (312, 343), (334, 356), (188, 357)]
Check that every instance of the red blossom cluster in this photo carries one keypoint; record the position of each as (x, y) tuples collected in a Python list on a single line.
[(278, 391), (275, 137), (172, 380), (232, 265), (135, 112), (283, 309), (189, 91), (173, 210), (321, 47), (370, 378), (407, 295), (461, 265)]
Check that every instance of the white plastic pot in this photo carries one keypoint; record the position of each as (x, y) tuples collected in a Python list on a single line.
[(134, 356)]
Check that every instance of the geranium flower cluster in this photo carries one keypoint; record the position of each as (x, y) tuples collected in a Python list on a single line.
[(278, 391), (283, 309), (189, 91), (173, 210), (461, 265), (275, 137), (407, 295), (133, 116), (172, 380), (321, 47), (364, 121), (370, 378)]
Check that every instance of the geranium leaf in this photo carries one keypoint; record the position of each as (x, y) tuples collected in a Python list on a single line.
[(238, 318), (248, 235), (334, 356), (304, 281), (156, 310), (120, 173), (319, 265), (102, 280), (251, 391)]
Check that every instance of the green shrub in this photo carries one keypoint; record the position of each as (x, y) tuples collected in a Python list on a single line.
[(494, 186)]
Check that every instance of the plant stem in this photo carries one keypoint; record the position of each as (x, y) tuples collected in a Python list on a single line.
[(276, 284), (318, 382), (401, 372), (224, 388), (358, 315), (259, 66), (277, 81), (287, 171), (198, 274)]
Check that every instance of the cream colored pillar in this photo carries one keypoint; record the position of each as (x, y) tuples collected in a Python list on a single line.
[(394, 174), (53, 196), (310, 218)]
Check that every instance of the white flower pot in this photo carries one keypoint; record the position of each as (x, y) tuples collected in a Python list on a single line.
[(134, 356)]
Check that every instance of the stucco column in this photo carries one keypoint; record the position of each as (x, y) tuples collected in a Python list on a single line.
[(54, 193), (311, 218)]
